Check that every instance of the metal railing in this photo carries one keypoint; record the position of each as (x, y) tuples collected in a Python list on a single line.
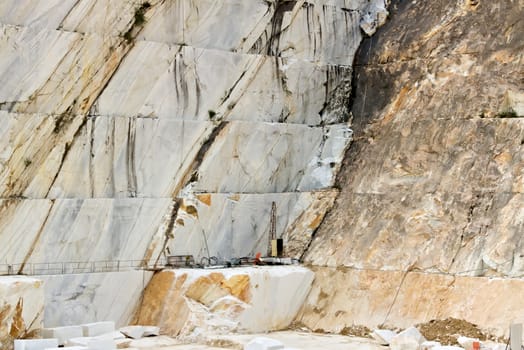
[(72, 267)]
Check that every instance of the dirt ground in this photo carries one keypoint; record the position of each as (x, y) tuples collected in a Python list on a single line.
[(447, 331)]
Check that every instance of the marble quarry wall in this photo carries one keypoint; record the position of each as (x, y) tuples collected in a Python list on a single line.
[(137, 129), (134, 129), (432, 185)]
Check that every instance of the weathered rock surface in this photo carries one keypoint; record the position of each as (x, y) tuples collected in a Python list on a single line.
[(188, 302), (21, 308), (433, 180)]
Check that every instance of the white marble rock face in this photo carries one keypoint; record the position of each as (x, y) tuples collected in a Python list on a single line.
[(112, 157), (237, 225), (76, 230), (76, 67), (317, 30), (272, 158), (102, 138), (181, 82), (84, 298)]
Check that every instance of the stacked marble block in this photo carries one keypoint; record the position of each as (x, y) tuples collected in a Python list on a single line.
[(97, 335), (118, 148)]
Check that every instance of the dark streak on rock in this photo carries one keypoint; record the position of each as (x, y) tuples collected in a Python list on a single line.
[(170, 226), (191, 174), (37, 238), (67, 147), (91, 157), (228, 93), (282, 7), (130, 158)]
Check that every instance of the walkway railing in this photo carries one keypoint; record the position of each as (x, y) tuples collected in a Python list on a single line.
[(72, 267)]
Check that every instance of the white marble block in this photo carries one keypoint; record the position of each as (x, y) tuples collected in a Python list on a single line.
[(383, 336), (150, 331), (62, 333), (101, 343), (35, 344), (263, 343), (98, 328), (134, 332)]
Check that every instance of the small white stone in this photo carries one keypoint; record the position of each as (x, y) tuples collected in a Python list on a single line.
[(447, 347), (133, 332), (262, 343), (429, 345), (409, 339), (151, 331), (383, 336)]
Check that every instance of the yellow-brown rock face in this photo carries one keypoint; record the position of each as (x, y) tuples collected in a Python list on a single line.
[(21, 309), (402, 299), (433, 180)]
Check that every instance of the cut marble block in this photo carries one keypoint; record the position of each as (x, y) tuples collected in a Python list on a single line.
[(162, 81), (62, 333), (134, 332), (87, 298), (35, 344), (98, 328), (151, 331), (21, 308), (65, 230), (101, 344), (80, 341), (246, 299), (383, 336), (237, 225)]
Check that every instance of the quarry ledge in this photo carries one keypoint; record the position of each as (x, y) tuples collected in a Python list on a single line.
[(179, 45), (401, 299)]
